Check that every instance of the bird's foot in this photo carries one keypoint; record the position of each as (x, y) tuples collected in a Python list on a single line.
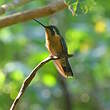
[(54, 57)]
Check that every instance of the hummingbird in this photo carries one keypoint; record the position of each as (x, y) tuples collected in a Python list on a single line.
[(56, 46)]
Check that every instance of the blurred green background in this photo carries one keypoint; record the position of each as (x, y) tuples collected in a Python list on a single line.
[(22, 47)]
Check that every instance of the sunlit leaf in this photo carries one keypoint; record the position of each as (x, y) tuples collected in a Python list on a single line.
[(73, 39), (68, 2), (2, 79), (100, 26), (80, 7), (22, 41), (49, 80), (1, 2), (13, 94), (12, 89), (5, 36), (84, 47), (73, 8), (17, 75), (37, 58)]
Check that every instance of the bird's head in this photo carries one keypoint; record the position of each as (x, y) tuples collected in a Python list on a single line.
[(51, 29)]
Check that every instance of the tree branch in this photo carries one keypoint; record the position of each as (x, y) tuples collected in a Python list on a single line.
[(12, 5), (28, 80), (36, 13)]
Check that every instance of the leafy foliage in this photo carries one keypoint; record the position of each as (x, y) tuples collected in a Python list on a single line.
[(78, 7)]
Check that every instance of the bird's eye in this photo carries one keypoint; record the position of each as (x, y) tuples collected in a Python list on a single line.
[(52, 31)]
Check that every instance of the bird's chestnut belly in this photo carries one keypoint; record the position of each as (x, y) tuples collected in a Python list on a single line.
[(54, 46)]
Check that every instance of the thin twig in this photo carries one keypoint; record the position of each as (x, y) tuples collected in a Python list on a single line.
[(28, 80), (12, 5), (36, 13)]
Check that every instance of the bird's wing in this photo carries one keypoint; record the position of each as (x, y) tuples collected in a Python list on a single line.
[(62, 64), (64, 47)]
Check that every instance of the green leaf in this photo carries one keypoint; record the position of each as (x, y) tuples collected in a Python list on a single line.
[(17, 75), (73, 8), (49, 80), (2, 79), (78, 7), (68, 2), (82, 8)]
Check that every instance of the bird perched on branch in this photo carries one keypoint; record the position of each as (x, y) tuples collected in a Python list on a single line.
[(56, 45)]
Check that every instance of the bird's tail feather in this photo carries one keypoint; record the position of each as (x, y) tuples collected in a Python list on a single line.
[(64, 67)]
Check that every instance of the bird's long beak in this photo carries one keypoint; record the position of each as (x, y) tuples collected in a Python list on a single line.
[(40, 23)]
